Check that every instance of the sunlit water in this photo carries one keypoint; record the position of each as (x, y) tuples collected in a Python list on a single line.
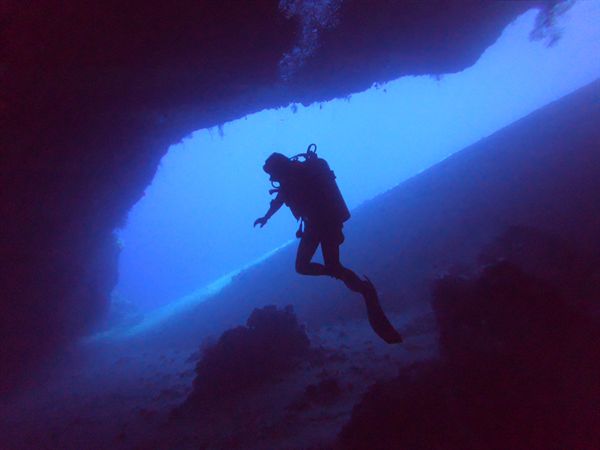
[(194, 225)]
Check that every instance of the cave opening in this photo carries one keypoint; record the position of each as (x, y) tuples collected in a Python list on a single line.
[(193, 229)]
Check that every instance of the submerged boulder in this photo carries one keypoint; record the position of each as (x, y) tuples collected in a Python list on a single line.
[(270, 345), (518, 369)]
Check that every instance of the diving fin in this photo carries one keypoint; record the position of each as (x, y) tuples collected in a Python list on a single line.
[(377, 318)]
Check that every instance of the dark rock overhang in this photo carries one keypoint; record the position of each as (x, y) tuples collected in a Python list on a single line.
[(93, 93)]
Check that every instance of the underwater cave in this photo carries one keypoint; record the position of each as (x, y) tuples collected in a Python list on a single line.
[(140, 307)]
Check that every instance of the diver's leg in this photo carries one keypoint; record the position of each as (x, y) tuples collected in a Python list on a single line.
[(331, 255), (306, 250), (377, 318)]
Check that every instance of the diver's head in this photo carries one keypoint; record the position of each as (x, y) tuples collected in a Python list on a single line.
[(277, 165)]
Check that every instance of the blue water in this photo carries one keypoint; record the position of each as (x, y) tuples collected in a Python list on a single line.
[(194, 225)]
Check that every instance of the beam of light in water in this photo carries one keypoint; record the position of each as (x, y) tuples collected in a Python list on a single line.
[(195, 222), (176, 307)]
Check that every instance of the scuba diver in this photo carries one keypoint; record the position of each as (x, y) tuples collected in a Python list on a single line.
[(309, 189)]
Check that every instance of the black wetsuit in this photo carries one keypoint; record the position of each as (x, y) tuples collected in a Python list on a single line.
[(321, 227)]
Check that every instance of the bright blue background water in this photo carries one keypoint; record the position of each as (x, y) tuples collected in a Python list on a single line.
[(195, 222)]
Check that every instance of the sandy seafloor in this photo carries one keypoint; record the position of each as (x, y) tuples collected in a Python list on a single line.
[(122, 397)]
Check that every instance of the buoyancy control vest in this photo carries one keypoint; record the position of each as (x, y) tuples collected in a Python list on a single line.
[(314, 195)]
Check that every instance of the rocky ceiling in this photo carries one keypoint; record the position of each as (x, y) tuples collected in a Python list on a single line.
[(93, 93)]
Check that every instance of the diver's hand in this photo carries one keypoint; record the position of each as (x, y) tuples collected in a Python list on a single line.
[(260, 221)]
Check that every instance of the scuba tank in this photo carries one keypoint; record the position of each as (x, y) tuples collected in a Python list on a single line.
[(327, 205)]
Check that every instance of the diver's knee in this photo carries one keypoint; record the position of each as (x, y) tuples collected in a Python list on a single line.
[(335, 270), (301, 267)]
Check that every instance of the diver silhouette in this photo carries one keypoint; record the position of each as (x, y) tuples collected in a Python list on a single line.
[(309, 189)]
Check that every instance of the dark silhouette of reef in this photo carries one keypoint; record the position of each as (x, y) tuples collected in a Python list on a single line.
[(570, 271), (269, 346), (93, 93), (519, 363)]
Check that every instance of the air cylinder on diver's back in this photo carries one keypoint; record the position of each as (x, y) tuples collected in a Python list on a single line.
[(330, 204)]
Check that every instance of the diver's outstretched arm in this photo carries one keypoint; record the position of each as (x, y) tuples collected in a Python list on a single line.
[(276, 203)]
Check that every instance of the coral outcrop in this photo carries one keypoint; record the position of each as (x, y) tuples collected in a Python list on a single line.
[(270, 345), (518, 369)]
